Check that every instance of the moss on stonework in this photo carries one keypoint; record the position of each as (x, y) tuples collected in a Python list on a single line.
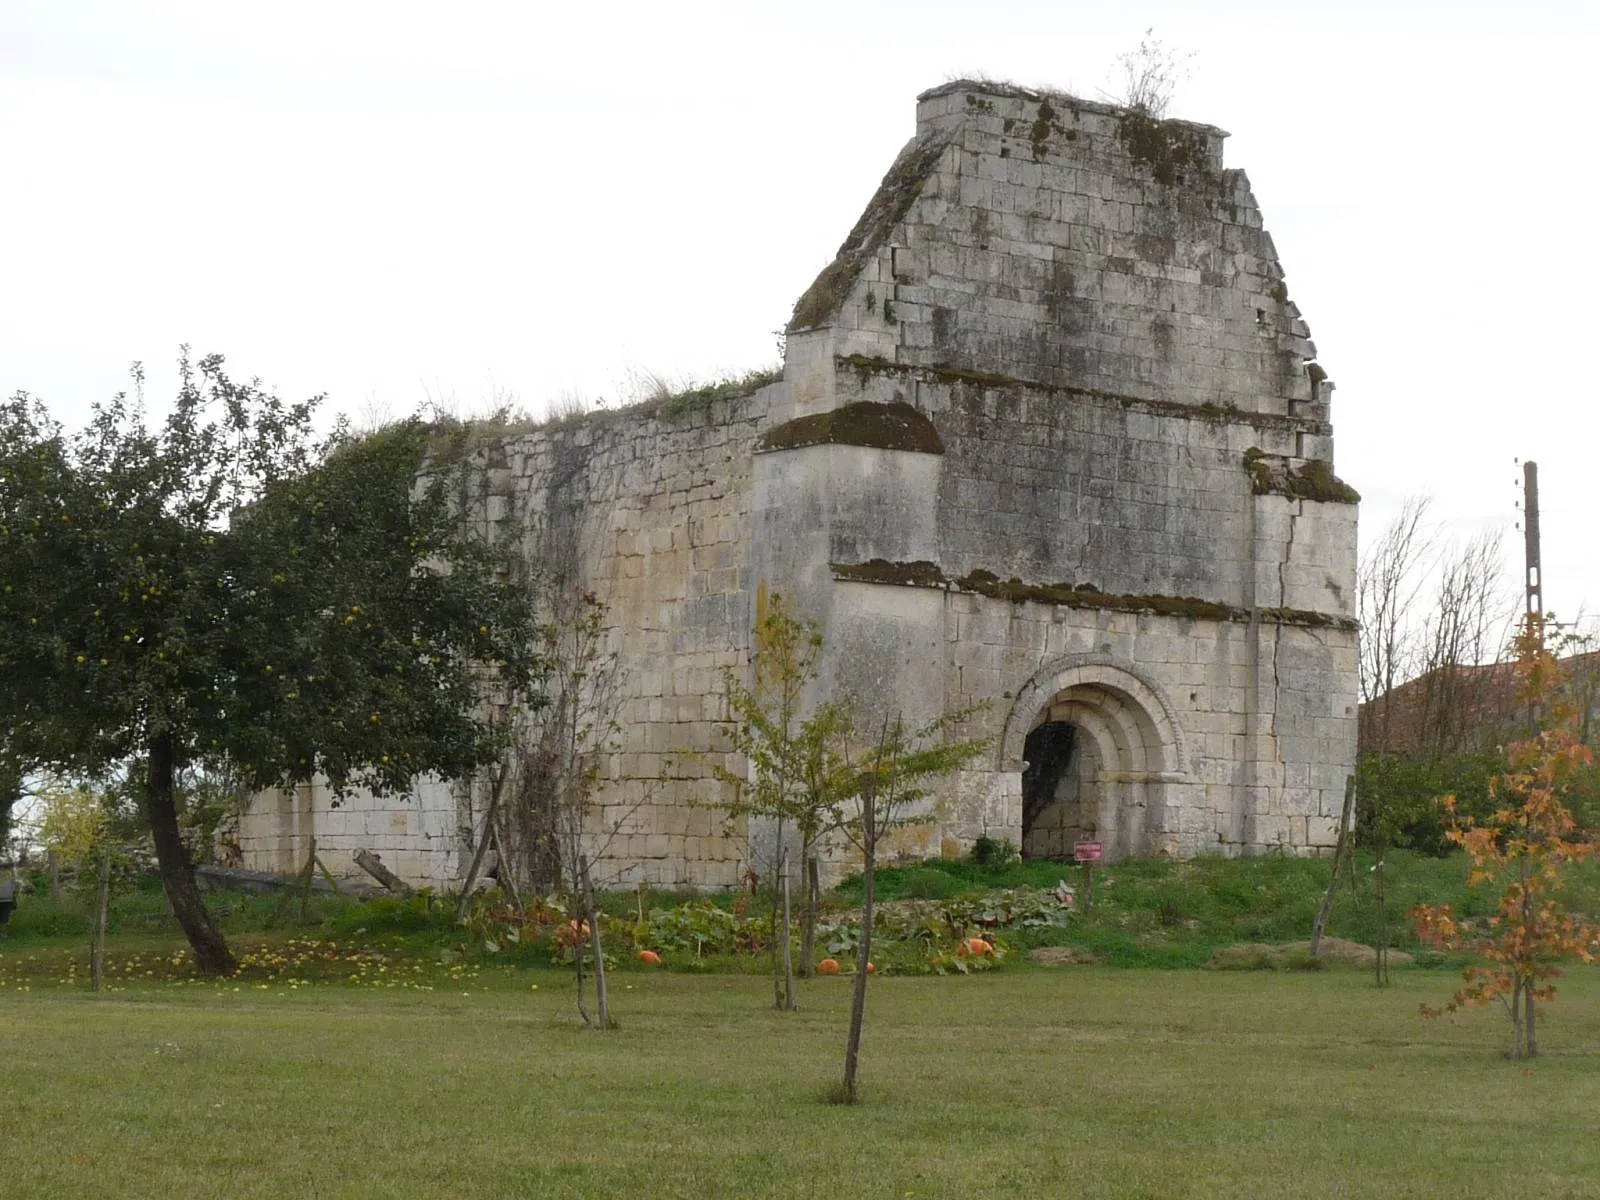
[(1272, 475), (1080, 595), (1087, 595), (888, 206), (896, 426), (1168, 148), (907, 574), (1040, 134)]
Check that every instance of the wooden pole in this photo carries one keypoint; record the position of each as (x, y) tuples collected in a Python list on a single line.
[(591, 909), (858, 997), (1340, 849), (102, 907), (1535, 593), (1530, 538), (1380, 958), (808, 956), (483, 847), (333, 881), (373, 865), (788, 946), (306, 878)]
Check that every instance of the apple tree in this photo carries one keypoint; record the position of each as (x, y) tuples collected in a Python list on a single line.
[(221, 587)]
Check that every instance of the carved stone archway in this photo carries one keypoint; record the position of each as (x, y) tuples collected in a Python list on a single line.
[(1121, 782)]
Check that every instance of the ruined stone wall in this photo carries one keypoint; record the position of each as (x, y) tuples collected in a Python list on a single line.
[(1050, 437), (649, 508), (416, 835), (1063, 526), (1059, 241), (1135, 468)]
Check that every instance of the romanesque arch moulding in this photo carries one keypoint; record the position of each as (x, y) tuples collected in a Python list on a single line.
[(1097, 672)]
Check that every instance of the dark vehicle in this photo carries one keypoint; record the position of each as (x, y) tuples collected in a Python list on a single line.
[(8, 891)]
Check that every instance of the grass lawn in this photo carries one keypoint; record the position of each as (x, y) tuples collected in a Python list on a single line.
[(1027, 1082)]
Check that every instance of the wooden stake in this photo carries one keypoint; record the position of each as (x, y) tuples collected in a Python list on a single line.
[(373, 865), (592, 911), (788, 947), (102, 907), (333, 882), (483, 848), (1341, 848), (306, 877)]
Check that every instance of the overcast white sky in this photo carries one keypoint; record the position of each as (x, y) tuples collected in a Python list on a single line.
[(391, 202)]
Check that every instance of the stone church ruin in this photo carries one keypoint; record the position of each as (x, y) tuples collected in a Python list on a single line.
[(1050, 435)]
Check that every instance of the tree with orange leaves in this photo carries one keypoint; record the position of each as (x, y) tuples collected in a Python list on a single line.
[(1522, 850)]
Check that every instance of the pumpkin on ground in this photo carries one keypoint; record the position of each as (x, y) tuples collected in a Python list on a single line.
[(975, 948), (828, 966), (650, 957)]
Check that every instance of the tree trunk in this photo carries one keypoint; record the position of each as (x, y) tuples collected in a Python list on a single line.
[(788, 949), (591, 910), (508, 874), (1531, 1040), (97, 942), (858, 998), (577, 963), (53, 866), (1516, 1018), (808, 934), (775, 952), (211, 953)]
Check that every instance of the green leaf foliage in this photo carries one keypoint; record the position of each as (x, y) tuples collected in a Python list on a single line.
[(289, 607)]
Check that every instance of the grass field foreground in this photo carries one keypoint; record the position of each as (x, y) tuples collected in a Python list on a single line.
[(1078, 1082)]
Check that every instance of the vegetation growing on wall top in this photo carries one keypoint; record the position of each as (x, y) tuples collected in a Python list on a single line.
[(451, 437), (1169, 148), (887, 207), (1271, 474), (896, 426)]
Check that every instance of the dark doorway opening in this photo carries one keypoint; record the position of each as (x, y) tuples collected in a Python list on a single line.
[(1049, 754)]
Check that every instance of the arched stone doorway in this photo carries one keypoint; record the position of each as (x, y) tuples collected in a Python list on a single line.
[(1098, 752)]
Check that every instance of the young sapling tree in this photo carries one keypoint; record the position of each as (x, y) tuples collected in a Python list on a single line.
[(1522, 851)]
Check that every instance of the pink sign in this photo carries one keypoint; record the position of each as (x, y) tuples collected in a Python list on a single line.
[(1088, 851)]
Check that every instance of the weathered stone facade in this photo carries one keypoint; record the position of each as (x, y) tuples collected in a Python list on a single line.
[(1050, 435)]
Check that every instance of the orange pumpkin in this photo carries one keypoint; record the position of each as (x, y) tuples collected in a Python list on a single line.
[(650, 957), (828, 966), (975, 948)]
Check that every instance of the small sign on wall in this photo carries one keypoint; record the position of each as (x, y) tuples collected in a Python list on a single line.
[(1088, 852)]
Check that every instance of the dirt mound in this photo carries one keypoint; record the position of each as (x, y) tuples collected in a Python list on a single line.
[(1255, 956), (1061, 956)]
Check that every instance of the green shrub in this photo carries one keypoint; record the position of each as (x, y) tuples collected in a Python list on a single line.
[(1398, 797), (928, 883), (994, 854)]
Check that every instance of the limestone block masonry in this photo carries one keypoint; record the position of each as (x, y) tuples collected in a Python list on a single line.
[(1050, 436)]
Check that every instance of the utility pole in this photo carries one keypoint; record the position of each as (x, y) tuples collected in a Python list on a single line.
[(1530, 538), (1535, 619)]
